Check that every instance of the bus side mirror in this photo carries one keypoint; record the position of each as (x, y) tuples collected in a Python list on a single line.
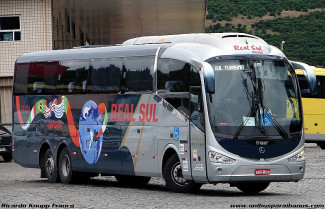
[(309, 74), (208, 75)]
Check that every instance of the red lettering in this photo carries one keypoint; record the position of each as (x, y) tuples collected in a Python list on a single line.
[(154, 114), (241, 48), (25, 108), (54, 125), (119, 112), (113, 112), (141, 119), (126, 113), (148, 115), (132, 118)]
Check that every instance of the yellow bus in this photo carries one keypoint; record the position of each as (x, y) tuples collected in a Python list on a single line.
[(313, 107)]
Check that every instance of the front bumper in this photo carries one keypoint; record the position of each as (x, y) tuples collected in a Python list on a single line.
[(246, 173)]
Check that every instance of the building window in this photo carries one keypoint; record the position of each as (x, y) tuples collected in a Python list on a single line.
[(67, 21), (10, 28), (73, 30)]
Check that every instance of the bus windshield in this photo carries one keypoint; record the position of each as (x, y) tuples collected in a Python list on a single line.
[(254, 98)]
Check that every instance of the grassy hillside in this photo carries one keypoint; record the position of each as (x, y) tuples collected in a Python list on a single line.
[(302, 30)]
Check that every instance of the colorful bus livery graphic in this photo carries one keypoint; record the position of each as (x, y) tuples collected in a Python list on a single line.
[(93, 121), (91, 128), (90, 135)]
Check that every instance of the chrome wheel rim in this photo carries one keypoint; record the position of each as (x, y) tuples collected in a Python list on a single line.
[(49, 165), (177, 175)]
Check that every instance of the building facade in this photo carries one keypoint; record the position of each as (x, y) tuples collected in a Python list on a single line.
[(40, 25), (25, 26)]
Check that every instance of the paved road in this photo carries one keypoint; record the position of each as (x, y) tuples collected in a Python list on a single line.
[(22, 186)]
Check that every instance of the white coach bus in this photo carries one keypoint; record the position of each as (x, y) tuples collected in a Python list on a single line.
[(191, 108)]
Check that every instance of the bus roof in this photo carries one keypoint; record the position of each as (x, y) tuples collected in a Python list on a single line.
[(223, 43), (191, 48), (88, 53)]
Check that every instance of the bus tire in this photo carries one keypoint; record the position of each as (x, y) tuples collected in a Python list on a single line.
[(174, 179), (65, 168), (7, 157), (50, 168), (252, 188), (132, 180)]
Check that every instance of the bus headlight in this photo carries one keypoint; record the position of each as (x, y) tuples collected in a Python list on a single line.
[(298, 157), (216, 157)]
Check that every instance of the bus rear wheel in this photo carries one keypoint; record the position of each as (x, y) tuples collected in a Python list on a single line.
[(174, 179), (252, 188), (51, 171), (65, 168), (132, 180)]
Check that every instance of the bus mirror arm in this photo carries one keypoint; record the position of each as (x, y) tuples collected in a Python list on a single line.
[(308, 73)]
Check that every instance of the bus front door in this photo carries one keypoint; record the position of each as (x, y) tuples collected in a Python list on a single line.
[(197, 136)]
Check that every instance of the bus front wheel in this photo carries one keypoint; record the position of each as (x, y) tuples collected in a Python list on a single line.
[(51, 171), (65, 168), (252, 188), (174, 179)]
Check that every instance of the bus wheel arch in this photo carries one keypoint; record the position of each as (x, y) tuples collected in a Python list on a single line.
[(169, 152)]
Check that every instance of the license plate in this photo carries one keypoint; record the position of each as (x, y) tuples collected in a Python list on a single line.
[(2, 149), (262, 171)]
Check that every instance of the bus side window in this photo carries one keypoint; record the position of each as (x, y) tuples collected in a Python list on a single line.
[(305, 90), (21, 76), (105, 75), (195, 77), (197, 113), (173, 75), (72, 76), (139, 73), (42, 78), (173, 83)]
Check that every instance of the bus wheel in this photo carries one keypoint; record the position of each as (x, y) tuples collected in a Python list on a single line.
[(174, 177), (321, 145), (50, 168), (252, 188), (132, 180), (65, 168), (7, 157)]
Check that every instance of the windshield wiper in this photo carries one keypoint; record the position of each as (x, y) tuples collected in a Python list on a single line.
[(241, 127), (276, 124), (257, 99)]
